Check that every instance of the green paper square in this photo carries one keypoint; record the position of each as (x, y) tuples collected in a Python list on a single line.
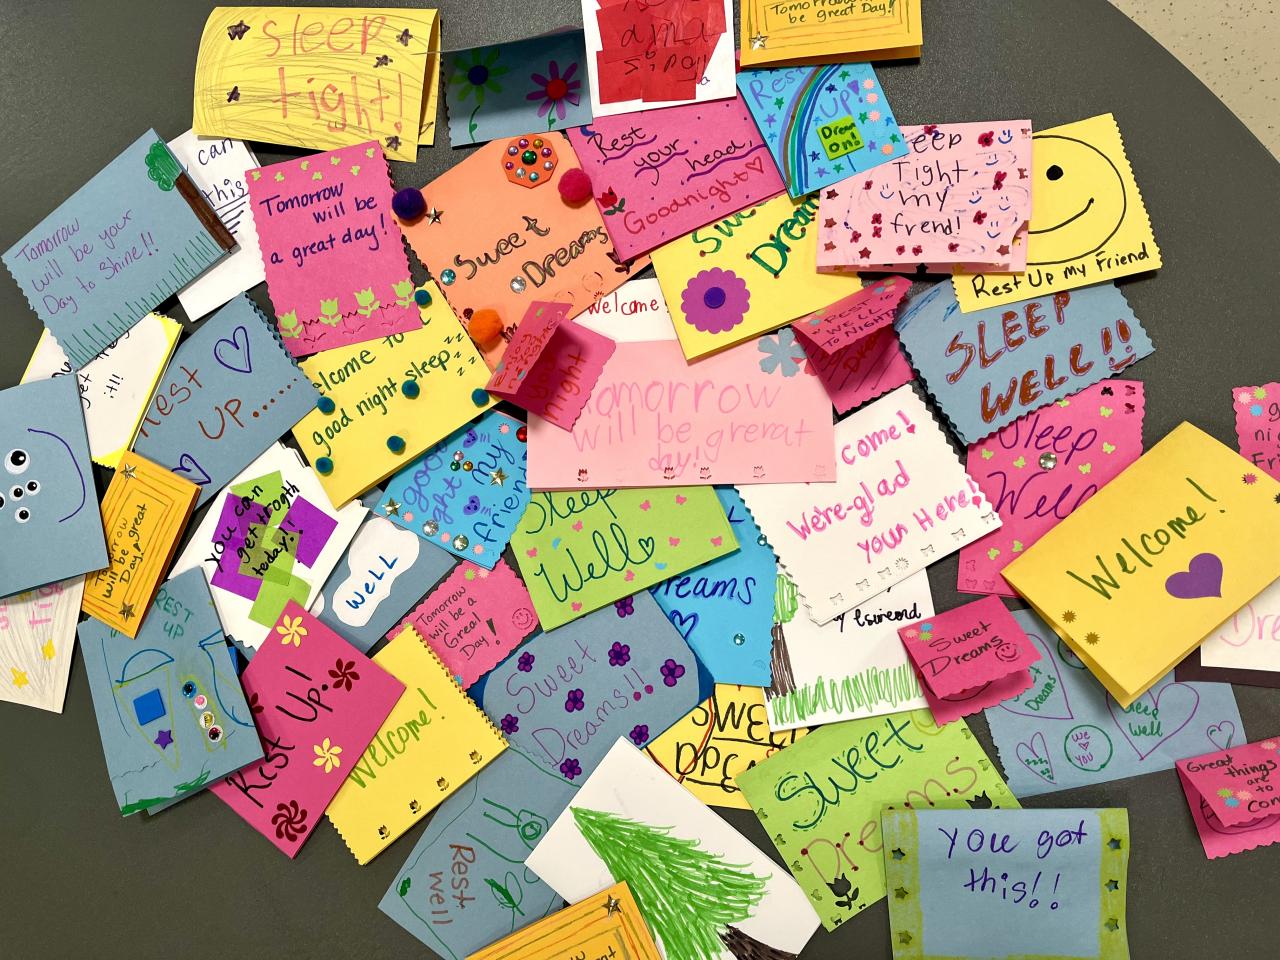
[(839, 137), (273, 597)]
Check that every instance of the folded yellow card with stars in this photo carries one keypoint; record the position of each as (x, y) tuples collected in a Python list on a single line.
[(1138, 575), (1088, 223), (434, 740)]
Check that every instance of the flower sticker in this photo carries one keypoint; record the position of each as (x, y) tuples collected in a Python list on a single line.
[(329, 314), (571, 768), (525, 663), (715, 300), (575, 701), (553, 90), (639, 734), (609, 200), (290, 821), (671, 672), (781, 353), (343, 674), (403, 289), (367, 302), (291, 630), (1268, 744), (289, 325), (510, 724), (474, 75), (328, 755), (619, 654), (625, 606)]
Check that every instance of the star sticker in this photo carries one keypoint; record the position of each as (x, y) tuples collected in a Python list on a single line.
[(831, 88), (613, 905), (828, 246), (497, 478), (893, 138), (821, 171), (904, 937), (898, 854), (392, 508), (405, 37), (779, 102), (813, 156), (832, 194), (237, 30), (434, 215), (126, 610), (393, 143), (234, 95), (131, 471), (164, 738), (47, 651), (1113, 885), (844, 74), (829, 223), (864, 253), (839, 168), (1114, 843), (770, 120), (758, 41), (1112, 924), (1003, 249), (19, 678), (862, 118), (900, 893)]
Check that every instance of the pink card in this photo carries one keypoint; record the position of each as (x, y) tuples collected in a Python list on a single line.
[(336, 268), (847, 321), (961, 197), (862, 371), (474, 618), (317, 702), (551, 364), (746, 415), (659, 174), (1258, 425), (1234, 795), (1039, 468)]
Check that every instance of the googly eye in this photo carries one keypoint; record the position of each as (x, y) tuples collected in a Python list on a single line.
[(17, 460), (33, 487), (189, 689), (1, 501), (214, 733), (16, 493), (23, 515)]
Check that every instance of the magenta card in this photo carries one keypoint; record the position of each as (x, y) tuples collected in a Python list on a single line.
[(967, 702), (1234, 795), (336, 268), (659, 174), (317, 702), (862, 371), (474, 618), (847, 321), (1042, 466), (1258, 425)]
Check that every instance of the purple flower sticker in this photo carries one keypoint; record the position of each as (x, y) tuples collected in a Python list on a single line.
[(554, 89), (639, 734), (575, 701), (671, 672), (715, 300), (525, 663), (619, 654), (510, 724), (571, 768), (625, 606)]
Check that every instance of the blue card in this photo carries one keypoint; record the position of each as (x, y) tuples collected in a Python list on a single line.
[(823, 123), (989, 367), (49, 521), (467, 493), (134, 234), (481, 836), (724, 609), (229, 392), (170, 710)]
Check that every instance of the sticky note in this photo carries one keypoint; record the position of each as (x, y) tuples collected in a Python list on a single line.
[(795, 32)]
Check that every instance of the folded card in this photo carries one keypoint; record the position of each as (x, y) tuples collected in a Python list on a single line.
[(37, 636), (775, 32), (1258, 425), (608, 923), (845, 322), (862, 371), (1232, 797)]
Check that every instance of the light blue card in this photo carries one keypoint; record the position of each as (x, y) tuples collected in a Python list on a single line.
[(112, 251), (230, 391), (724, 609), (170, 710), (467, 493), (50, 526), (989, 367), (823, 123), (1066, 731), (482, 834)]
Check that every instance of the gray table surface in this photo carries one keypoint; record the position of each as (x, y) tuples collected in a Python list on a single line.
[(79, 81)]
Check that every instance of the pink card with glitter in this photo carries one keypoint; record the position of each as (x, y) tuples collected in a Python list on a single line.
[(960, 197), (317, 702), (862, 371), (847, 321), (1042, 466), (1258, 425), (337, 273), (1234, 795)]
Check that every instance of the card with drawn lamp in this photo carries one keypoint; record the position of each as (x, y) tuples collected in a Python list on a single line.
[(1140, 574), (37, 637), (1232, 795), (775, 31), (1258, 425)]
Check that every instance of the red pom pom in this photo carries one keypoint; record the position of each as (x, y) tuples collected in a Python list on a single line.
[(485, 327), (575, 187)]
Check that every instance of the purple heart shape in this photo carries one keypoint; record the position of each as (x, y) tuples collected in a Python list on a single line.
[(1173, 690), (1202, 578), (238, 346)]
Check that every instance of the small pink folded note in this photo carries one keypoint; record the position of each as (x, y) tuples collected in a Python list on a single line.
[(860, 372), (1258, 425), (1234, 796), (847, 321), (969, 658), (317, 702)]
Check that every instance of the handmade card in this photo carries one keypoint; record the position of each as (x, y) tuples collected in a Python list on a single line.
[(320, 77), (509, 89), (1245, 648), (1043, 465), (742, 416), (170, 710), (969, 657), (862, 371), (1089, 224), (474, 618), (217, 167), (822, 124), (1140, 574), (1065, 732), (433, 741), (1232, 797), (568, 695), (608, 923), (52, 528), (632, 823), (635, 311), (832, 840), (724, 609), (718, 739), (116, 385), (745, 275), (849, 668), (144, 514), (775, 32), (269, 538), (318, 703), (1258, 425), (1007, 884), (491, 824), (230, 391), (658, 174), (1074, 339), (578, 552), (134, 234), (955, 199), (841, 324), (649, 55), (901, 501), (37, 636), (467, 493)]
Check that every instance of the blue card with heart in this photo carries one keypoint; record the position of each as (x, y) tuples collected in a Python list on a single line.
[(229, 392)]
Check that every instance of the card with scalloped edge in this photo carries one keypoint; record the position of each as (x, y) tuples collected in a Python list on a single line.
[(1231, 796)]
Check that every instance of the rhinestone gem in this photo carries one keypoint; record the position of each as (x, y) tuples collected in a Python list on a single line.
[(1048, 461), (460, 542), (517, 284), (447, 277), (431, 528)]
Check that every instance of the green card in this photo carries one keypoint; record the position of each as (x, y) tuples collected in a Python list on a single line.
[(579, 551), (820, 799)]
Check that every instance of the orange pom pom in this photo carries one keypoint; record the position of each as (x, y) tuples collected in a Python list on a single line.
[(485, 327)]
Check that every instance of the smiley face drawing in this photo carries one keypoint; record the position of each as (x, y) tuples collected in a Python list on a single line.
[(1079, 196)]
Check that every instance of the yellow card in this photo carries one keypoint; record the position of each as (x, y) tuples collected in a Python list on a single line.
[(386, 401), (434, 740), (776, 31), (1136, 577), (143, 515), (606, 926), (717, 740), (1088, 223), (320, 77), (745, 275)]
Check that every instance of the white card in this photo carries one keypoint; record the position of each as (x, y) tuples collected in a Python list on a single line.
[(700, 851), (1250, 640), (901, 501), (634, 313), (37, 638)]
